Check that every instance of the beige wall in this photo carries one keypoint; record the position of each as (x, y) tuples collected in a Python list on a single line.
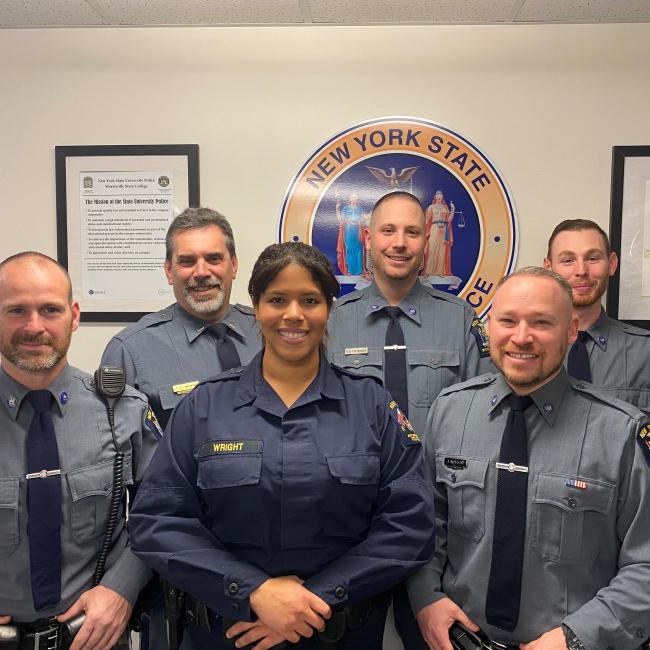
[(545, 103)]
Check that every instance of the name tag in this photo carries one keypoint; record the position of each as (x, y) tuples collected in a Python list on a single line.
[(456, 463), (215, 447), (187, 387), (349, 351)]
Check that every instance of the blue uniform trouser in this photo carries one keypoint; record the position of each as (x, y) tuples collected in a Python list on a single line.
[(405, 623)]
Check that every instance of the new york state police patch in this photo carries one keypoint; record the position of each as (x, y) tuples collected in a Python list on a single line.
[(643, 438), (409, 436)]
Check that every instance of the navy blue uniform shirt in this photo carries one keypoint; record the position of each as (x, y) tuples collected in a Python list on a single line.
[(332, 489)]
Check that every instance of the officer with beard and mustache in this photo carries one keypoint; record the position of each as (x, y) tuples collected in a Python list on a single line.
[(166, 354), (608, 353)]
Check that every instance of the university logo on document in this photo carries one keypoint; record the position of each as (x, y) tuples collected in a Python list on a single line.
[(471, 224)]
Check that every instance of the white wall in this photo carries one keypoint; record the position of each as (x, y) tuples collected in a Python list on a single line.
[(545, 103)]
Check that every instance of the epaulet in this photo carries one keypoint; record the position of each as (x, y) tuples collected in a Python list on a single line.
[(244, 309), (233, 373), (630, 329), (348, 297), (441, 295), (356, 375), (606, 398), (474, 382), (148, 320)]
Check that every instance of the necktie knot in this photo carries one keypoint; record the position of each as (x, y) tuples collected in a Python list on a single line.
[(219, 331), (583, 336), (519, 402), (40, 400), (393, 312)]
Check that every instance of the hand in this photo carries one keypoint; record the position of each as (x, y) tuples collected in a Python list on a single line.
[(436, 619), (288, 608), (4, 620), (107, 614), (551, 640), (254, 633)]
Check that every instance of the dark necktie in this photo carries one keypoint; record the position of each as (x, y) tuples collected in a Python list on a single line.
[(395, 360), (43, 503), (504, 587), (226, 351), (578, 361)]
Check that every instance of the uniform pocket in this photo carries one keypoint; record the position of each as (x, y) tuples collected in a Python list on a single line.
[(356, 469), (430, 372), (370, 363), (168, 398), (90, 488), (465, 482), (229, 470), (9, 494), (569, 522)]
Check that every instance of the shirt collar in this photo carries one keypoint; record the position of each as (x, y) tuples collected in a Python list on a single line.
[(410, 305), (13, 393), (548, 398), (599, 331), (194, 326)]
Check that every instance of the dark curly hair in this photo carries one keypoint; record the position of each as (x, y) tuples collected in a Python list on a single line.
[(276, 257)]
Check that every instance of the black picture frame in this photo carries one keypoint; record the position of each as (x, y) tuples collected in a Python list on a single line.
[(116, 158), (629, 191)]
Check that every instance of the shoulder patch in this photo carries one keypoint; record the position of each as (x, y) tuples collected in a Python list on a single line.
[(408, 434), (643, 438), (151, 421), (482, 341)]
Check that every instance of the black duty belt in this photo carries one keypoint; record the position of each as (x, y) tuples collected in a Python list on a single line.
[(43, 634)]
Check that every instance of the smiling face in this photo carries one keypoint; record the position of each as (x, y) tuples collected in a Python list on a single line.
[(201, 272), (292, 313), (37, 318), (396, 240), (530, 327), (581, 258)]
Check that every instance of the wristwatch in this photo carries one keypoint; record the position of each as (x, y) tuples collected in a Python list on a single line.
[(572, 641)]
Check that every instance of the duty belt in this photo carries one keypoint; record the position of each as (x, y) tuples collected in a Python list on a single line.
[(44, 634)]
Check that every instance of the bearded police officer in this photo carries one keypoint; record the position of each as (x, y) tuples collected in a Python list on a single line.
[(167, 353), (414, 338), (608, 353), (542, 487), (56, 471)]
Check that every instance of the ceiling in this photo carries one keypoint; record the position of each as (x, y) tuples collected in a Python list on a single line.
[(157, 13)]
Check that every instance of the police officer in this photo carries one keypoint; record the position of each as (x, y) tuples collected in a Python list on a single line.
[(442, 340), (288, 491), (167, 353), (610, 354), (56, 469), (542, 487)]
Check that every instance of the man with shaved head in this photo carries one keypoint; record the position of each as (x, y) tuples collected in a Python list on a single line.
[(56, 470), (542, 487), (415, 339)]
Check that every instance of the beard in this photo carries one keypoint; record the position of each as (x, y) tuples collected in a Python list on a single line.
[(204, 304), (40, 361), (594, 296), (537, 376)]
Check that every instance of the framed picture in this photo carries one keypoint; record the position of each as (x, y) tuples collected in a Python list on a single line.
[(114, 204), (628, 295)]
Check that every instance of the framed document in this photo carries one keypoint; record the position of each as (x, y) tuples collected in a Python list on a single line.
[(114, 204), (628, 296)]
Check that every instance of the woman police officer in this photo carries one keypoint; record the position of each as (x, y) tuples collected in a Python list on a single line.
[(287, 495)]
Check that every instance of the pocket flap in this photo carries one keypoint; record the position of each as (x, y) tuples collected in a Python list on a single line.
[(229, 470), (91, 481), (561, 491), (168, 398), (9, 490), (373, 357), (434, 358), (458, 471), (355, 469)]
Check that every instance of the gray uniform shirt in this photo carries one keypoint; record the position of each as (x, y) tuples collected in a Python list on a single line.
[(619, 358), (86, 455), (167, 353), (444, 340), (587, 549)]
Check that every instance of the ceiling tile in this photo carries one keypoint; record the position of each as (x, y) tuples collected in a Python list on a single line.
[(371, 11), (40, 13), (473, 11), (577, 11)]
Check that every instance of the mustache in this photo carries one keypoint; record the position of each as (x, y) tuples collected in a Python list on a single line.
[(37, 339), (204, 283)]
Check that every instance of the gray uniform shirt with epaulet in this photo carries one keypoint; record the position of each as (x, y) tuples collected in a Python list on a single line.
[(167, 353), (445, 342), (619, 359), (86, 454), (587, 548)]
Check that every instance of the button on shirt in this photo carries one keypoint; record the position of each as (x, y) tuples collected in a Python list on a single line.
[(442, 347), (242, 488), (586, 549), (619, 360), (165, 354), (86, 454)]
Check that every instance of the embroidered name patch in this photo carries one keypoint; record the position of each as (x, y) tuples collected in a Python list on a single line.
[(409, 436), (455, 463), (349, 351), (214, 447)]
